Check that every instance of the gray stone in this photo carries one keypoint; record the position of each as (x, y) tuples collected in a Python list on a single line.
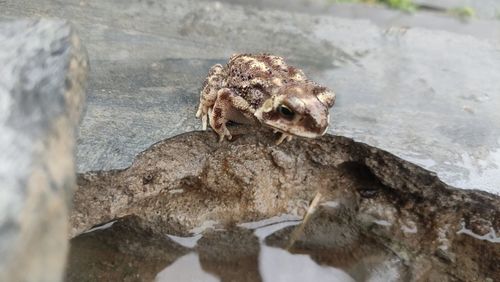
[(426, 95), (41, 98)]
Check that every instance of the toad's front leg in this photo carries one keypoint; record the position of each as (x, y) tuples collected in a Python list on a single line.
[(208, 95), (228, 106)]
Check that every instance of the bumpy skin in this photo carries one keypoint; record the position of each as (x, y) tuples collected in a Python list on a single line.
[(263, 89)]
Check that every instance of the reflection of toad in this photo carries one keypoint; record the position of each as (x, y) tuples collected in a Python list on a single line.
[(263, 89)]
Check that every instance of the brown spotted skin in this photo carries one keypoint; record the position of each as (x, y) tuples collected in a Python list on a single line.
[(264, 89)]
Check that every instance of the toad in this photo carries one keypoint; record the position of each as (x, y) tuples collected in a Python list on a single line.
[(263, 89)]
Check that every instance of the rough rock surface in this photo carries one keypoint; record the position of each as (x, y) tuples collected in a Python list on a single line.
[(428, 96), (42, 76), (371, 204)]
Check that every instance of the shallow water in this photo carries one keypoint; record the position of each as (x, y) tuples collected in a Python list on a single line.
[(280, 248), (274, 264)]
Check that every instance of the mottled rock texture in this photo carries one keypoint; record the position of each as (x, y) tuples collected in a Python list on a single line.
[(42, 76), (369, 200)]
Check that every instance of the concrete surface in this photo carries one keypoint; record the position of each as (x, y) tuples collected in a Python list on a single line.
[(428, 96), (432, 14), (483, 9)]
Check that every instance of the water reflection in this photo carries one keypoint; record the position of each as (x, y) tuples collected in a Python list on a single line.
[(186, 268), (279, 265), (253, 251), (276, 264), (235, 254), (188, 242)]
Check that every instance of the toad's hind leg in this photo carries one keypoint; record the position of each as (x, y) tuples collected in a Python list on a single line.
[(209, 93), (226, 105)]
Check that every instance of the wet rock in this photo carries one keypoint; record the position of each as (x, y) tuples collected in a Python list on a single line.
[(281, 159), (42, 76), (179, 185), (226, 252), (116, 252)]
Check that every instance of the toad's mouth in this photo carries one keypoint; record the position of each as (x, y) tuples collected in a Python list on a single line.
[(300, 132)]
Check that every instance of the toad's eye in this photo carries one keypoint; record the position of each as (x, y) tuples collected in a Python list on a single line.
[(286, 112)]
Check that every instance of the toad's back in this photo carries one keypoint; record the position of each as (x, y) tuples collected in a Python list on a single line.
[(256, 77)]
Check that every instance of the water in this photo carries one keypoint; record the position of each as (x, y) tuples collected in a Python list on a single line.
[(275, 264), (266, 250)]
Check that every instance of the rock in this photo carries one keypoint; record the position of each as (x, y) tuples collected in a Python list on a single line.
[(117, 253), (369, 206), (42, 79), (396, 90)]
